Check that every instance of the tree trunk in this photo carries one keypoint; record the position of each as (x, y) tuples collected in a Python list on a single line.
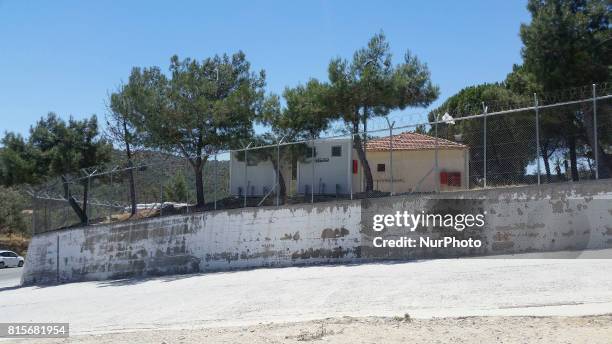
[(369, 182), (281, 179), (73, 203), (128, 152), (573, 159), (132, 188), (198, 165), (545, 156), (546, 166), (605, 160)]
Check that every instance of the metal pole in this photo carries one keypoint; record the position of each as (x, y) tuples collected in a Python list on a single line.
[(89, 197), (351, 166), (278, 167), (34, 212), (277, 176), (246, 188), (538, 153), (216, 179), (312, 155), (436, 167), (57, 260), (595, 143), (161, 198), (484, 148), (110, 209), (390, 154)]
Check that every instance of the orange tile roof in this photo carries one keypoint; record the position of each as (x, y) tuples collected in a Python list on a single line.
[(412, 141)]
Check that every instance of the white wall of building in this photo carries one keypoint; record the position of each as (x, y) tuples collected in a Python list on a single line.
[(259, 177), (329, 171)]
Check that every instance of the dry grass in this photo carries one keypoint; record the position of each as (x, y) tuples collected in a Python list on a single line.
[(14, 241)]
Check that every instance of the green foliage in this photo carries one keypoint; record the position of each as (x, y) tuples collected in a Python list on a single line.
[(120, 128), (507, 135), (565, 42), (306, 113), (18, 161), (12, 205), (54, 148), (370, 85), (201, 108), (176, 189)]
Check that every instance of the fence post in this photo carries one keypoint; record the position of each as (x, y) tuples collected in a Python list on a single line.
[(436, 167), (57, 257), (595, 143), (391, 155), (34, 211), (350, 171), (246, 187), (278, 167), (88, 198), (485, 146), (216, 179), (161, 197), (538, 153), (110, 209), (312, 156)]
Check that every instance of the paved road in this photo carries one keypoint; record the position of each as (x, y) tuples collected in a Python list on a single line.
[(10, 277), (438, 288)]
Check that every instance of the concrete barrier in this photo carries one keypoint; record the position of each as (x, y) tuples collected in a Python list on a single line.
[(520, 219)]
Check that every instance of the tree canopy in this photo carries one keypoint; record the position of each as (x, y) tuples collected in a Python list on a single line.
[(510, 147), (54, 148), (370, 85), (567, 44), (202, 107)]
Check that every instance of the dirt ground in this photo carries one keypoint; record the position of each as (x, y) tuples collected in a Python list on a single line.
[(401, 329)]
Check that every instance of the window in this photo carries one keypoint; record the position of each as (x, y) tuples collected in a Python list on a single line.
[(380, 167), (336, 151)]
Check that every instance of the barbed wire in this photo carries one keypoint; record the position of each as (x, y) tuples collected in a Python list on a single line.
[(575, 95)]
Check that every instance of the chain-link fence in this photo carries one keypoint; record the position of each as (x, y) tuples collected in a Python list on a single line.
[(558, 137)]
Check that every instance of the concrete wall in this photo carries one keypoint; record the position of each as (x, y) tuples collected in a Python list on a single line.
[(554, 217), (211, 241), (522, 219)]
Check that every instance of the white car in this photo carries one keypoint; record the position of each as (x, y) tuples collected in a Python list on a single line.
[(10, 259)]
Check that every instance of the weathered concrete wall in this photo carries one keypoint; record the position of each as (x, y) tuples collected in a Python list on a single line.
[(211, 241), (553, 217), (521, 219)]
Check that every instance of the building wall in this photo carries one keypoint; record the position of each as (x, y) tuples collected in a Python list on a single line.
[(328, 171), (259, 176), (411, 168), (564, 216)]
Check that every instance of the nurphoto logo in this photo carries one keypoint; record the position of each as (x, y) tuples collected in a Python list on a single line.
[(411, 221)]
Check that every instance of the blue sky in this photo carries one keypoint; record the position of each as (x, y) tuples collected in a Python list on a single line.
[(65, 56)]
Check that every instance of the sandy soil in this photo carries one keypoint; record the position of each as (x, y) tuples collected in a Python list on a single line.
[(589, 329)]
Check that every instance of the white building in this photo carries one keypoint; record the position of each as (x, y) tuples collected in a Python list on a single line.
[(336, 171), (331, 171)]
